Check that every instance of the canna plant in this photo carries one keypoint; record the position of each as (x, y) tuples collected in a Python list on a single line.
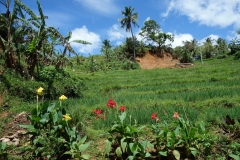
[(184, 141), (51, 135), (124, 141)]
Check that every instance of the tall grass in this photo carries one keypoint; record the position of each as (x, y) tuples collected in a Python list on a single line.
[(208, 91)]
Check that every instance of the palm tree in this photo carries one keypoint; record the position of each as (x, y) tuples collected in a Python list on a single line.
[(106, 49), (6, 4), (208, 47), (128, 19)]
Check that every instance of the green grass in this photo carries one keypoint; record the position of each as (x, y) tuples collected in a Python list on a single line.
[(208, 91)]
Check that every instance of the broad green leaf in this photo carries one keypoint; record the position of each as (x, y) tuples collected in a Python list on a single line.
[(83, 139), (133, 146), (118, 152), (108, 147), (50, 108), (84, 146), (55, 117), (2, 146), (123, 144), (176, 154), (130, 157), (193, 151), (85, 156), (29, 127), (122, 117), (163, 153), (236, 157), (147, 154)]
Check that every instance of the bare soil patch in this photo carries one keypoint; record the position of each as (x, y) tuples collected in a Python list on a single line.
[(151, 61)]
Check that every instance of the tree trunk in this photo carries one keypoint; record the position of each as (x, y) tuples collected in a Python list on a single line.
[(134, 54)]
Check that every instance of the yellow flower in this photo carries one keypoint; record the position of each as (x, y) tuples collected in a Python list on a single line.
[(62, 98), (66, 117), (40, 91)]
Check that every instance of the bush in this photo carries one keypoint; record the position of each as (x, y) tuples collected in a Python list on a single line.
[(186, 57), (19, 87), (57, 83), (237, 55)]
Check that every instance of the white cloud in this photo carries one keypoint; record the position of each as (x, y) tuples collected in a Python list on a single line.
[(232, 35), (106, 7), (84, 34), (208, 12), (147, 19), (179, 38), (116, 33)]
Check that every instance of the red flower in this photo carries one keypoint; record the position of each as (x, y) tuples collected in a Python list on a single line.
[(97, 112), (104, 117), (111, 103), (122, 108), (154, 115), (175, 115)]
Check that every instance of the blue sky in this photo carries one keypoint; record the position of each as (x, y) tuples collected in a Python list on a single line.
[(97, 20)]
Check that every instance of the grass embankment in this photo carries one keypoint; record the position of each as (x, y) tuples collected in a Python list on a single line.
[(207, 91)]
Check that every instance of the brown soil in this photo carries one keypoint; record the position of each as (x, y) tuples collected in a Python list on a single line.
[(151, 61)]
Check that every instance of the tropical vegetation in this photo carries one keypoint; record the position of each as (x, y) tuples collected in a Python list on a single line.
[(108, 107)]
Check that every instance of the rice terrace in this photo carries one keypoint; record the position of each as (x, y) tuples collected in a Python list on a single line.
[(142, 99)]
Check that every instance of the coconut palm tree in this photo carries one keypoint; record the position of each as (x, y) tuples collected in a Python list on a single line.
[(106, 49), (127, 20)]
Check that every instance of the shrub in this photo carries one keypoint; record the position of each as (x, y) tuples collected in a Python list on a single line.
[(51, 136), (56, 81), (237, 55)]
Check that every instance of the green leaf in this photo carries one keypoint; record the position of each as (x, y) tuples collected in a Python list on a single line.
[(147, 154), (193, 132), (83, 139), (2, 146), (119, 152), (193, 151), (55, 117), (123, 144), (85, 156), (176, 154), (83, 147), (50, 108), (236, 157), (81, 41), (163, 153), (29, 127), (133, 146), (122, 117), (108, 147)]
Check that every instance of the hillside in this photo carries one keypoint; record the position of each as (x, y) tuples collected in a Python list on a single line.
[(150, 61)]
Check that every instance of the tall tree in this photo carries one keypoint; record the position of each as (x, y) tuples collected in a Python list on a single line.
[(106, 49), (221, 46), (191, 46), (127, 20), (208, 47), (151, 31)]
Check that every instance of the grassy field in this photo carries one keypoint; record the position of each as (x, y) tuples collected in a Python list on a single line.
[(207, 91)]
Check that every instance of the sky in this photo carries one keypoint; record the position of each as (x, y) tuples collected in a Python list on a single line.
[(97, 20)]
